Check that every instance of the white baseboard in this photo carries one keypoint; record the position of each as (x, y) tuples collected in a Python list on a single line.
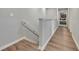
[(5, 46), (75, 41), (30, 40), (74, 38), (14, 42), (43, 47)]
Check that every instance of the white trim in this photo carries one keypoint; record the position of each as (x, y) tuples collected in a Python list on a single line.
[(74, 38), (43, 47), (14, 42), (75, 41), (58, 17), (5, 46), (30, 40)]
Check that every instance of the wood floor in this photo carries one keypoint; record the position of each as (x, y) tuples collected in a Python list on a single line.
[(23, 45), (61, 41)]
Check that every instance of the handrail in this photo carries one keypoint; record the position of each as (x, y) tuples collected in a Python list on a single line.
[(23, 23)]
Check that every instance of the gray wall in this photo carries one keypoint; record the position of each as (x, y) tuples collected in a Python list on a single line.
[(51, 13), (47, 27), (32, 21), (8, 30), (32, 17), (10, 26), (74, 23)]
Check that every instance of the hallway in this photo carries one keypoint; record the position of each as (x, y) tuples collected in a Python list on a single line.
[(61, 41)]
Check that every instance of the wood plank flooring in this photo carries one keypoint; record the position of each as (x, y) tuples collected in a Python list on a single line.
[(23, 45), (61, 41)]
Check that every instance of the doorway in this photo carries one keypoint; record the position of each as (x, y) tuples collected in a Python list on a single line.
[(63, 16)]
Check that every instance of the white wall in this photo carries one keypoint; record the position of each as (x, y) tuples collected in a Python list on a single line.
[(51, 13), (31, 19), (45, 31), (47, 28), (74, 23), (9, 26)]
